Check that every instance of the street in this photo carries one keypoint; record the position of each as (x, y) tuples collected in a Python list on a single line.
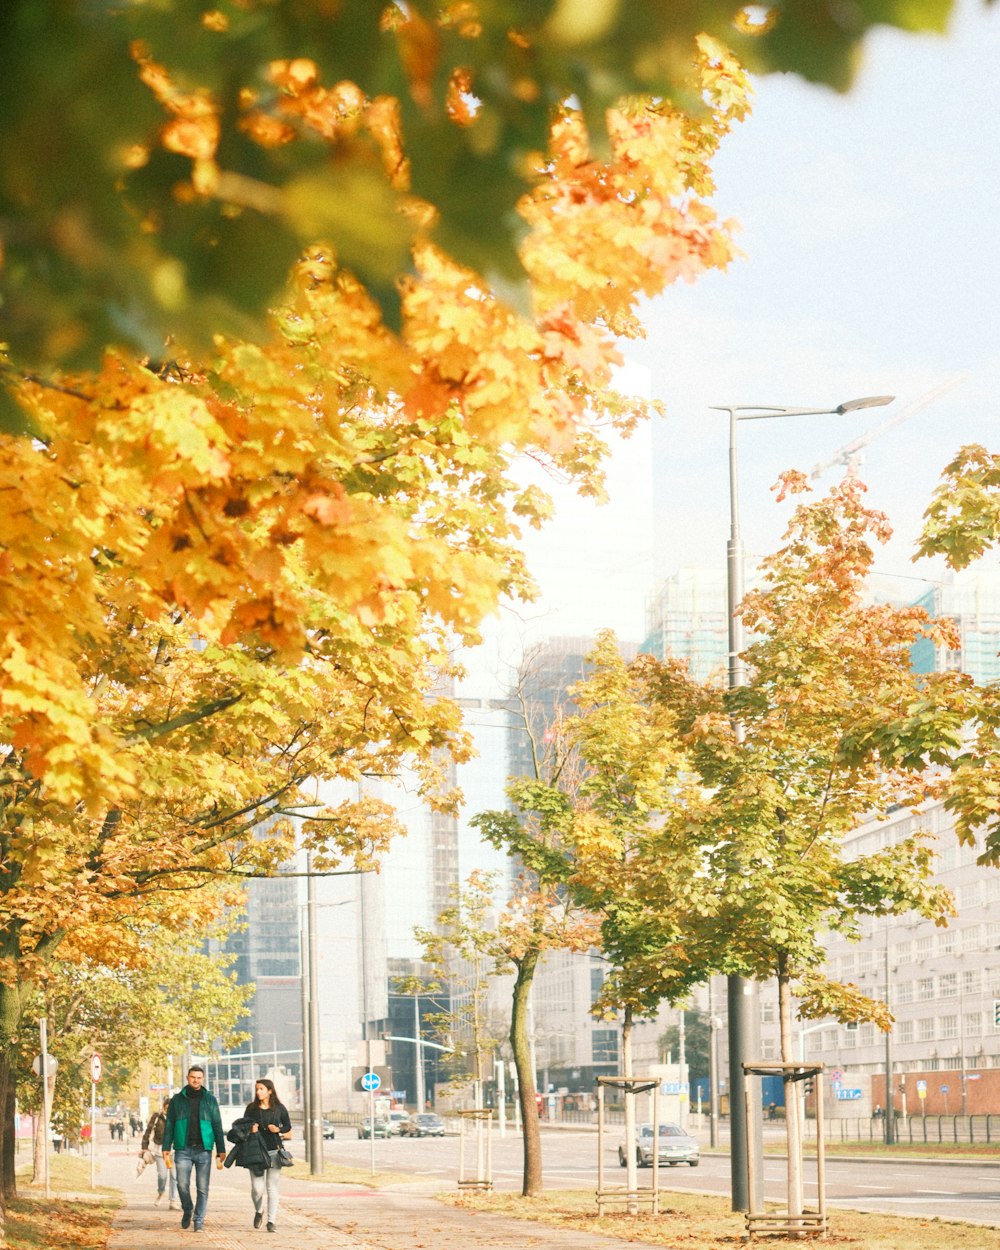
[(944, 1191)]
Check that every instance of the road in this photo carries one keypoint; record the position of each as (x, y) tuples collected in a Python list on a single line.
[(944, 1191)]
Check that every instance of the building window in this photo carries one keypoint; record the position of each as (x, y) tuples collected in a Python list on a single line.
[(866, 1035), (903, 992), (924, 948), (973, 1025), (850, 1039), (947, 1027), (947, 985), (992, 936), (925, 1029), (972, 938), (969, 895), (925, 989), (972, 980), (767, 1049), (947, 942), (904, 952), (767, 1011), (604, 1046), (904, 1031), (866, 961)]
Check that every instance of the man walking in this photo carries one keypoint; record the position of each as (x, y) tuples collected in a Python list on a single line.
[(193, 1127)]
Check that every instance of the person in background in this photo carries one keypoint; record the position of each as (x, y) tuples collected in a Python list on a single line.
[(152, 1140), (268, 1116), (193, 1127)]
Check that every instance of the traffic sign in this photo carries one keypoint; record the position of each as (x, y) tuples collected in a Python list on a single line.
[(36, 1065), (95, 1068), (944, 1089), (371, 1081)]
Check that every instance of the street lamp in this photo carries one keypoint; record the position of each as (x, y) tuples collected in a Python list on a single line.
[(743, 999)]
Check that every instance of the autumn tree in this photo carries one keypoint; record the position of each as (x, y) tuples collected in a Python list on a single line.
[(540, 915), (165, 164), (791, 763), (957, 722), (590, 827), (129, 1014), (462, 952), (223, 577)]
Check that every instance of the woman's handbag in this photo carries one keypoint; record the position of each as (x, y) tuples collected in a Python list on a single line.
[(285, 1160)]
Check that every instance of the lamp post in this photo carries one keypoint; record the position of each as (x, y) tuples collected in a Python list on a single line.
[(742, 995)]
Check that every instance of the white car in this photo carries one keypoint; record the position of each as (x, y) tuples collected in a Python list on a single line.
[(395, 1119), (675, 1147)]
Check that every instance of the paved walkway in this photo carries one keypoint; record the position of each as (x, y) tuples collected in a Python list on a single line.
[(317, 1216)]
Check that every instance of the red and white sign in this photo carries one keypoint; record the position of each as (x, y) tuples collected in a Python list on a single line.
[(95, 1068)]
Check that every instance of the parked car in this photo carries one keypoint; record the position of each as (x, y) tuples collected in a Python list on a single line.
[(381, 1128), (328, 1132), (675, 1147), (422, 1124), (395, 1121)]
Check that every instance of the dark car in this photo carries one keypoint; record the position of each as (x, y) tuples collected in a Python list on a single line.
[(422, 1124), (675, 1147)]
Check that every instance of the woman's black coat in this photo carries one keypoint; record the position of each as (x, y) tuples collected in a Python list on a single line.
[(248, 1149)]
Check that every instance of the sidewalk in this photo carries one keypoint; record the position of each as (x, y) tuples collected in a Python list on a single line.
[(321, 1217)]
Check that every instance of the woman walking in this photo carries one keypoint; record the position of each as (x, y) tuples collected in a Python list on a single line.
[(152, 1140), (267, 1116)]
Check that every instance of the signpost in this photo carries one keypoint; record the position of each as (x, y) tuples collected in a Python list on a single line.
[(46, 1066), (95, 1076), (370, 1082)]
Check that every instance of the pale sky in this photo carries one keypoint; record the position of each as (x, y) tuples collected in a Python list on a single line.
[(869, 224)]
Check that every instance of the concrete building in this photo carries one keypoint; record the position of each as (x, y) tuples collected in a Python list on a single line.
[(943, 985), (687, 618), (972, 600)]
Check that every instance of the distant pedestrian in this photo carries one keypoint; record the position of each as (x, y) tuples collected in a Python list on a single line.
[(152, 1140), (193, 1127), (269, 1117), (772, 1111)]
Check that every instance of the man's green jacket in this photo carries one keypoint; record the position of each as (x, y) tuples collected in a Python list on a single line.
[(175, 1130)]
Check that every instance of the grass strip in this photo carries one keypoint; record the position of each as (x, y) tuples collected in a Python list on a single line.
[(702, 1222)]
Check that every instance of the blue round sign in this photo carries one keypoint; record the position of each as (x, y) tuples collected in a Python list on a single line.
[(371, 1081)]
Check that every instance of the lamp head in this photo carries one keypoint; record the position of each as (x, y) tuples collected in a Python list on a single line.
[(870, 401)]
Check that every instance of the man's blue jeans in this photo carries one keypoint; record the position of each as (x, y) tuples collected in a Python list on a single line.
[(185, 1159)]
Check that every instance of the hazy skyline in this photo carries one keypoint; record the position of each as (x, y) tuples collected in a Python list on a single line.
[(868, 224)]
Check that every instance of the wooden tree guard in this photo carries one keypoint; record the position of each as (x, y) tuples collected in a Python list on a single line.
[(783, 1223), (482, 1118), (629, 1086)]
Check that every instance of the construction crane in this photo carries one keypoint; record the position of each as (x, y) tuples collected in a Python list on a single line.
[(851, 454)]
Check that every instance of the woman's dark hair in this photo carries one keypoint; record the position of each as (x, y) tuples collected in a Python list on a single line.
[(274, 1100)]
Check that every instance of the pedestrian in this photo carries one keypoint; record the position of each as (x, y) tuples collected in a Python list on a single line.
[(193, 1126), (772, 1111), (268, 1116), (152, 1140)]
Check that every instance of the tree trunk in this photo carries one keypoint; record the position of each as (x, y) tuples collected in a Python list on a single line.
[(631, 1133), (793, 1121), (11, 1006), (531, 1185)]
